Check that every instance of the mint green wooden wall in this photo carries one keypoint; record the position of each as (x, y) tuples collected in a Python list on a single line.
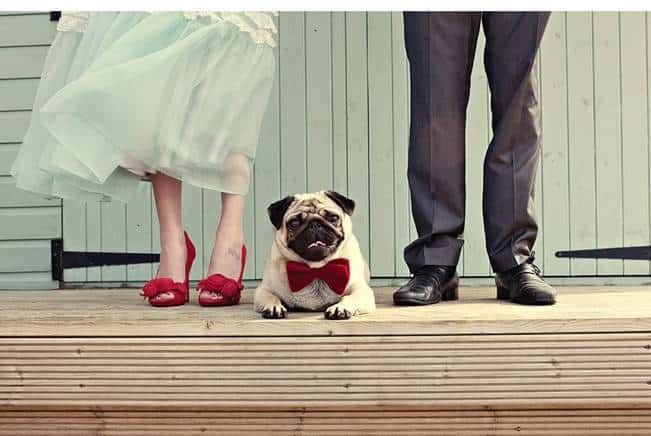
[(339, 120), (27, 222)]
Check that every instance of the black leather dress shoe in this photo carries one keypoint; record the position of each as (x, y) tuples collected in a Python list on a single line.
[(429, 285), (524, 285)]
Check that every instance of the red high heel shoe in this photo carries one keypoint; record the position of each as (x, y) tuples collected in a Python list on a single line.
[(219, 290), (180, 291)]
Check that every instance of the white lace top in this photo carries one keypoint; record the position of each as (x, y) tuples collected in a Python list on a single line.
[(259, 25)]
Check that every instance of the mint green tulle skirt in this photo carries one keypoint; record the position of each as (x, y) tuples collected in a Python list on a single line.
[(128, 94)]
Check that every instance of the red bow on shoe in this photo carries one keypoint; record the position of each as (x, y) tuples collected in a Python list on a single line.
[(160, 285), (335, 273)]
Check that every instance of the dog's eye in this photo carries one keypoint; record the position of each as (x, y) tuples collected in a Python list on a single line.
[(293, 223), (332, 218)]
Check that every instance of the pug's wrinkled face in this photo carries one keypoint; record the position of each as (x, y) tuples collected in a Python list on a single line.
[(312, 226)]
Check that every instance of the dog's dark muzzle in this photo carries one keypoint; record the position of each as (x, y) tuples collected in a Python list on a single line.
[(316, 241)]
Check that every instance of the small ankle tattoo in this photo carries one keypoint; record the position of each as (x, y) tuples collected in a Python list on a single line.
[(233, 252)]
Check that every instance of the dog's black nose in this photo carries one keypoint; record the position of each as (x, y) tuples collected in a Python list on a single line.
[(316, 225)]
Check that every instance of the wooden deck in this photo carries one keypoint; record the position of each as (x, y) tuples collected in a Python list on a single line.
[(103, 362)]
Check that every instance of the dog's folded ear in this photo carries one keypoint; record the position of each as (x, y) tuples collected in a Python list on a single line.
[(277, 210), (345, 203)]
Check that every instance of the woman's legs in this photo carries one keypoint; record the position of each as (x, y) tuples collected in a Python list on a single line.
[(167, 192), (229, 237)]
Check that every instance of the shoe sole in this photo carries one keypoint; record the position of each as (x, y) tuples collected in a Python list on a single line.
[(447, 295), (505, 294)]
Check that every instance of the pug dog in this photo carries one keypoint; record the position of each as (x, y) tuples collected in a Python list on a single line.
[(315, 263)]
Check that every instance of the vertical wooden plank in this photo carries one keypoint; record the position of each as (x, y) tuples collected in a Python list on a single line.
[(380, 138), (608, 137), (635, 148), (74, 235), (475, 263), (113, 230), (267, 171), (554, 155), (401, 214), (413, 232), (192, 216), (249, 233), (339, 115), (539, 246), (138, 238), (210, 210), (155, 234), (93, 236), (357, 110), (581, 156), (647, 16), (292, 104), (318, 61)]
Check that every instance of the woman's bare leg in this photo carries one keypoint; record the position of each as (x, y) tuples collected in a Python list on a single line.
[(229, 237), (167, 192)]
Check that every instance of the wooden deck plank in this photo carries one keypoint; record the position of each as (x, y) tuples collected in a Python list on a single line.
[(78, 362), (123, 313)]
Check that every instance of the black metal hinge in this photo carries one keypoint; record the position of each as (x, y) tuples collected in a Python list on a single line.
[(629, 253), (79, 259)]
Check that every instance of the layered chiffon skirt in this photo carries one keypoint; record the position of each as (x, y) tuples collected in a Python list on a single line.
[(126, 94)]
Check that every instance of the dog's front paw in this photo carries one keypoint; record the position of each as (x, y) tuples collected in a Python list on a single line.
[(275, 311), (268, 304), (340, 311)]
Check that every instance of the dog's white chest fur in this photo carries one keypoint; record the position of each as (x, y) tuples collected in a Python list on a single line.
[(316, 297)]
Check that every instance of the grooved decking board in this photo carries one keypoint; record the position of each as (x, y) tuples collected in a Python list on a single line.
[(102, 362), (343, 422), (462, 371)]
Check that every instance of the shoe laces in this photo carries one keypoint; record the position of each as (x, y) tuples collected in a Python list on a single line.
[(424, 277), (533, 268)]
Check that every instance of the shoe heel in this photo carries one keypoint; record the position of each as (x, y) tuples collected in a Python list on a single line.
[(503, 293), (451, 294)]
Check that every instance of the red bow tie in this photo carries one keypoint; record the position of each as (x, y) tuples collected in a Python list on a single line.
[(335, 273)]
